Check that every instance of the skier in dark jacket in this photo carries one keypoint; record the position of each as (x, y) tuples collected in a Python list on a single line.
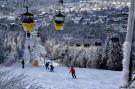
[(23, 63), (47, 65), (72, 71), (51, 68)]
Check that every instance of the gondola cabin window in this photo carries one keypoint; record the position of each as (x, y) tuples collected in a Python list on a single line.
[(59, 19), (86, 45)]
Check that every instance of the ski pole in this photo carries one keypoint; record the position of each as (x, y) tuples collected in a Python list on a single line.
[(68, 74)]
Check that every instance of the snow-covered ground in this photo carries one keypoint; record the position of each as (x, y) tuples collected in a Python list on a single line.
[(60, 79)]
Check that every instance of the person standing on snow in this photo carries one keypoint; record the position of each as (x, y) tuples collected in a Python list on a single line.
[(72, 71), (47, 65), (23, 63)]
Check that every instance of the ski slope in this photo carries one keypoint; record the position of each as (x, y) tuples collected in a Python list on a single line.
[(60, 79)]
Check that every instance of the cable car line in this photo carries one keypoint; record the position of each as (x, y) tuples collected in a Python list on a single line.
[(27, 20)]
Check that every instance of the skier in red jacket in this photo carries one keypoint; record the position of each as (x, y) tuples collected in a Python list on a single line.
[(72, 71)]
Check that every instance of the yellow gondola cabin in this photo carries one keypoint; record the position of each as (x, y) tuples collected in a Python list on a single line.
[(27, 21), (59, 22)]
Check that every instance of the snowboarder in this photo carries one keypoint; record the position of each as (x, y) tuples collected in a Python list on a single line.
[(51, 68), (72, 71), (47, 65), (23, 63)]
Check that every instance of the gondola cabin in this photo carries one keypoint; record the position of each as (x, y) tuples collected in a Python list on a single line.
[(61, 1), (78, 45), (27, 21), (86, 45), (59, 22), (71, 44), (115, 39), (98, 44), (63, 54)]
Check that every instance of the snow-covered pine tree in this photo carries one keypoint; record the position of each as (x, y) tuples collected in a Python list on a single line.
[(115, 55), (112, 55), (77, 53), (98, 56), (105, 55), (90, 62)]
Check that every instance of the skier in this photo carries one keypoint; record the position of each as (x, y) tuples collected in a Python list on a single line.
[(72, 71), (23, 63), (51, 68), (47, 65)]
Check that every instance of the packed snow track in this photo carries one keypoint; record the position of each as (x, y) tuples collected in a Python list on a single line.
[(61, 79)]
